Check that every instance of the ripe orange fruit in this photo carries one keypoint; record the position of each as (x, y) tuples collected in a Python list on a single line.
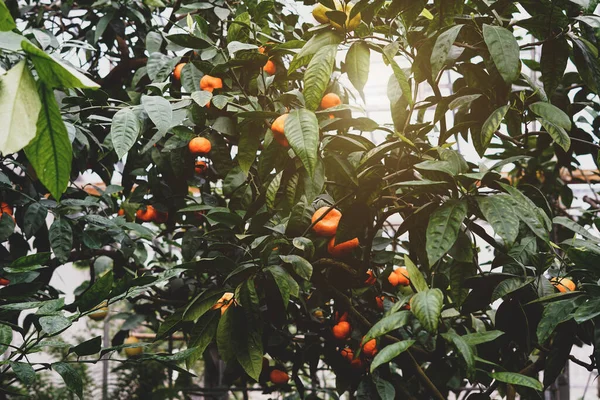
[(330, 100), (278, 130), (370, 348), (199, 146), (5, 208), (379, 300), (342, 330), (399, 277), (101, 311), (262, 49), (347, 353), (270, 68), (328, 225), (563, 284), (177, 71), (279, 377), (338, 250), (356, 363), (200, 167), (224, 302), (4, 282), (370, 278), (121, 212), (146, 215), (210, 83), (132, 351)]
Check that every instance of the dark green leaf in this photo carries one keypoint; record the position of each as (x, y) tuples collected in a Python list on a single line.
[(7, 23), (97, 293), (61, 239), (388, 353), (491, 125), (358, 61), (23, 371), (504, 50), (499, 213), (553, 62), (87, 348), (441, 49), (302, 132), (302, 267), (54, 324), (518, 379), (317, 76), (124, 131), (71, 377), (443, 227), (427, 306), (387, 324)]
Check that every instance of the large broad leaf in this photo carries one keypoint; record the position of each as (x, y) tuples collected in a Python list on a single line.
[(558, 133), (441, 49), (585, 56), (465, 349), (388, 353), (301, 266), (71, 377), (491, 125), (124, 131), (504, 50), (588, 310), (575, 227), (55, 73), (24, 371), (50, 152), (416, 278), (552, 114), (528, 212), (302, 132), (473, 339), (97, 292), (554, 313), (518, 379), (427, 306), (387, 324), (19, 108), (7, 23), (317, 75), (61, 238), (54, 324), (358, 61), (553, 62), (88, 347), (499, 213), (315, 43), (401, 78), (6, 335), (443, 227), (202, 335), (159, 110)]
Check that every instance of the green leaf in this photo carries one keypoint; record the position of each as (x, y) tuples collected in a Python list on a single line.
[(201, 97), (585, 57), (504, 50), (465, 350), (575, 227), (416, 277), (317, 75), (463, 101), (509, 286), (35, 218), (401, 78), (528, 212), (588, 310), (71, 377), (387, 324), (202, 335), (443, 227), (551, 114), (247, 149), (285, 283), (97, 293), (441, 49), (19, 108), (7, 23), (388, 353), (473, 339), (124, 131), (87, 348), (500, 214), (385, 389), (61, 238), (554, 314), (23, 371), (518, 379), (272, 190), (159, 110), (6, 335), (560, 136), (302, 132), (300, 265), (491, 125), (358, 61), (54, 324), (315, 43), (427, 306), (553, 62), (55, 73), (50, 152)]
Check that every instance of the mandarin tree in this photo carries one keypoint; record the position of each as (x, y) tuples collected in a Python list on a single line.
[(219, 155)]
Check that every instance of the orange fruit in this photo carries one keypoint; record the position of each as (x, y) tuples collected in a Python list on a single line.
[(146, 215), (262, 49), (4, 282), (200, 167), (563, 284), (370, 278), (347, 353), (278, 130), (370, 348), (121, 212), (100, 312), (210, 83), (328, 225), (379, 300), (356, 363), (340, 318), (279, 377), (330, 100), (224, 302), (342, 330), (341, 249), (199, 146), (399, 277), (177, 71), (270, 68), (5, 208), (132, 351)]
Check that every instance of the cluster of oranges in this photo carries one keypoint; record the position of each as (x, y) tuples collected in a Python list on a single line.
[(325, 223), (151, 214), (342, 331)]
